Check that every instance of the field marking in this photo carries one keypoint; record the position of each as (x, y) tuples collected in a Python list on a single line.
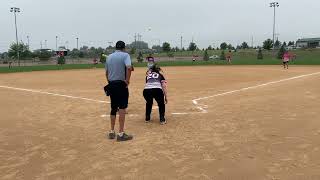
[(53, 94), (128, 115), (203, 108)]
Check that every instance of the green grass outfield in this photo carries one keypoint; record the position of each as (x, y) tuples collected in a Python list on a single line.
[(236, 61)]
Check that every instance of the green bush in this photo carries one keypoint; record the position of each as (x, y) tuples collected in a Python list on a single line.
[(61, 60), (222, 56), (206, 56), (281, 52), (260, 55), (140, 57)]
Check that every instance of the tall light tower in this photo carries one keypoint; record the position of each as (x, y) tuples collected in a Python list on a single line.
[(16, 10), (274, 5), (56, 43), (28, 37), (77, 43)]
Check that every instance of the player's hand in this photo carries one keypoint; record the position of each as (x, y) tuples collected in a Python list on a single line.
[(166, 100)]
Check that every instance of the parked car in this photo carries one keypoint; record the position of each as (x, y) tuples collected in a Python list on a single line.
[(213, 57)]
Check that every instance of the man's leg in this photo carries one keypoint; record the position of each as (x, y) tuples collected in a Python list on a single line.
[(123, 104), (122, 119), (113, 114)]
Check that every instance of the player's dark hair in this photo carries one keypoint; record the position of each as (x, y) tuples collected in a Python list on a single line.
[(120, 45), (156, 68)]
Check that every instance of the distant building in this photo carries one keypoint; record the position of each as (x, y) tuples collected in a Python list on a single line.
[(308, 43)]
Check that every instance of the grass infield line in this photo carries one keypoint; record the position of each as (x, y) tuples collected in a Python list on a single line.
[(53, 94), (203, 108)]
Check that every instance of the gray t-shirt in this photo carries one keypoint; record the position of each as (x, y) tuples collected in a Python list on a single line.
[(117, 64)]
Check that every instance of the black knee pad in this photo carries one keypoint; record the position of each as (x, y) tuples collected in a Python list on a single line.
[(114, 112)]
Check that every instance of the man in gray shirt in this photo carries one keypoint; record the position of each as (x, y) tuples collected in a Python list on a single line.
[(118, 72)]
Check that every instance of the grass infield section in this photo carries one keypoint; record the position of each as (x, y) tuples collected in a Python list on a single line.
[(236, 61)]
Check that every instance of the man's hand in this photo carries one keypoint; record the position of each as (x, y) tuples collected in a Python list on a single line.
[(127, 82), (166, 100)]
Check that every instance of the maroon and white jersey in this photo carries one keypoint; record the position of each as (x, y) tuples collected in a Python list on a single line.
[(154, 80)]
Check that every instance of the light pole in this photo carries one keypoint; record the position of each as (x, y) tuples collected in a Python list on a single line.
[(56, 43), (45, 43), (28, 37), (77, 43), (274, 5), (16, 10)]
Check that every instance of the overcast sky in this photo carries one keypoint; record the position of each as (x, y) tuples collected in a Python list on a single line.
[(209, 22)]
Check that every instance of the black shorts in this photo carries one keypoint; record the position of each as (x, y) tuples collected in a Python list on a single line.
[(119, 94), (285, 62)]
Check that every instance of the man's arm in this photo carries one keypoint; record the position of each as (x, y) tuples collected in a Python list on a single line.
[(107, 77), (128, 69)]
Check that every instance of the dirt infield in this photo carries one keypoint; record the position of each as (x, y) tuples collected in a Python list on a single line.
[(226, 122)]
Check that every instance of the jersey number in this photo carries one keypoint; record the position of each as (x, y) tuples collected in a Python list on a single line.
[(153, 75)]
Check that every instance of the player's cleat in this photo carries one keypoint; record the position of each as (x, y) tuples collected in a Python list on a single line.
[(111, 135), (148, 119), (124, 137), (163, 121)]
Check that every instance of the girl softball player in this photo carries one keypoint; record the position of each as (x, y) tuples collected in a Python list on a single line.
[(155, 88), (286, 59)]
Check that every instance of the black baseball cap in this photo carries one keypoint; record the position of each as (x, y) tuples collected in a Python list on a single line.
[(120, 45)]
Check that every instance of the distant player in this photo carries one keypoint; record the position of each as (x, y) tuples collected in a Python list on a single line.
[(95, 62), (155, 88), (150, 59), (286, 59), (229, 57)]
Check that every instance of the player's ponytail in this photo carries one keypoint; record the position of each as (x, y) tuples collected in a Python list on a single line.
[(156, 68)]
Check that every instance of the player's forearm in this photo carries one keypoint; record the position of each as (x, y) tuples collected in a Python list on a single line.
[(164, 88), (107, 77)]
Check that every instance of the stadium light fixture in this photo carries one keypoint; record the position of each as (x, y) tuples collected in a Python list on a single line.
[(16, 10), (274, 5)]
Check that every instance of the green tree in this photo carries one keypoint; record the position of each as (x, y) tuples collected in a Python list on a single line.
[(222, 56), (230, 47), (210, 47), (140, 57), (192, 46), (260, 55), (267, 44), (103, 58), (244, 45), (23, 50), (166, 47), (277, 44), (206, 56), (291, 43), (43, 54), (223, 46), (281, 52), (74, 53), (133, 51)]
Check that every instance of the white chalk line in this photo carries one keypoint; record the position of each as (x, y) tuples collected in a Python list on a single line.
[(53, 94), (130, 115), (203, 108)]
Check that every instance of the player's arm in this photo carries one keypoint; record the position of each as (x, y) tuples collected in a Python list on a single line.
[(164, 89)]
